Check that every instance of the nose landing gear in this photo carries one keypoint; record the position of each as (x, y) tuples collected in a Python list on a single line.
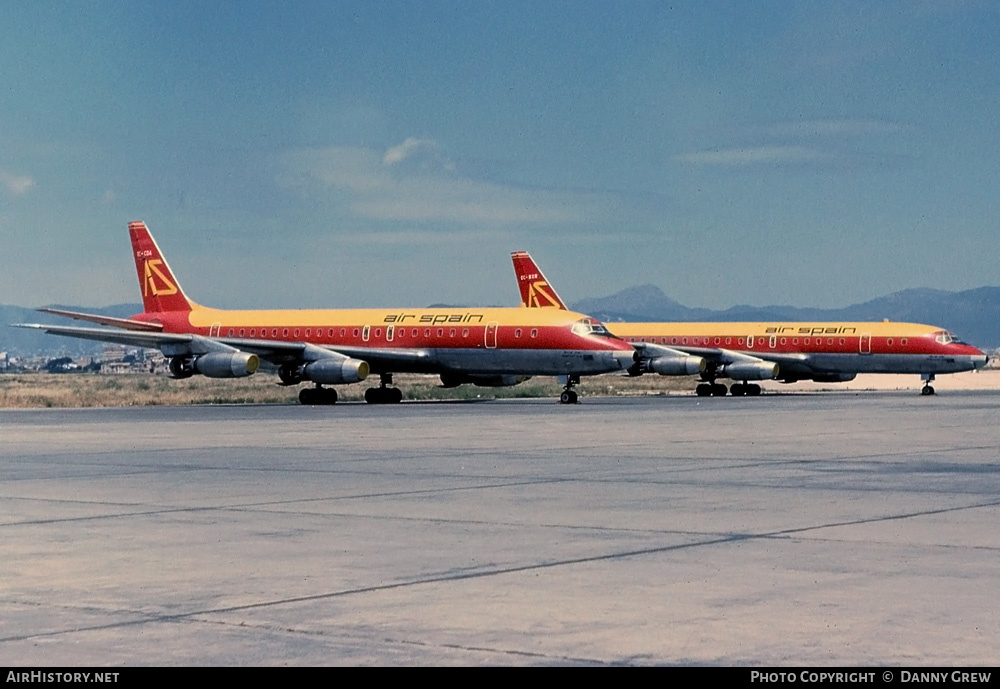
[(569, 395), (928, 378)]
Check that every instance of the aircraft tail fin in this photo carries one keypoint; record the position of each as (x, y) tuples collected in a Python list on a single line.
[(160, 290), (535, 289)]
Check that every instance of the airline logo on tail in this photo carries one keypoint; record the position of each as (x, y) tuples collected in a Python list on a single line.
[(536, 292), (541, 294), (161, 292), (166, 286)]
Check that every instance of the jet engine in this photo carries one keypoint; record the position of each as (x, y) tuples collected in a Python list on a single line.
[(335, 370), (215, 365), (751, 370), (453, 380), (226, 365), (677, 365)]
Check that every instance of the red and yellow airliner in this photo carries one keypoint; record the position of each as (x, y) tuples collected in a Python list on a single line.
[(482, 346), (789, 352)]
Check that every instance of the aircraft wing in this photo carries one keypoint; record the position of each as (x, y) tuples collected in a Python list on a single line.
[(728, 356), (125, 323), (381, 360), (755, 366), (150, 340)]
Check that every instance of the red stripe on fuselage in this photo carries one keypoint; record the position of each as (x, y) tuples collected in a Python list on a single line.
[(827, 344), (458, 336)]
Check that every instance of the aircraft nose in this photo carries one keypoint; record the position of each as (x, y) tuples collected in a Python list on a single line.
[(980, 361)]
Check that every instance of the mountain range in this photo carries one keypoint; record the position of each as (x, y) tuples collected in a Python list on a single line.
[(973, 315)]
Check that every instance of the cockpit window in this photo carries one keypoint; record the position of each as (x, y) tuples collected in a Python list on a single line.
[(589, 326), (944, 337)]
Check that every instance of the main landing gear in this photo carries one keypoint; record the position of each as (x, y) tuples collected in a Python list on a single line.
[(317, 395), (713, 389), (747, 389), (383, 394), (928, 378), (569, 395)]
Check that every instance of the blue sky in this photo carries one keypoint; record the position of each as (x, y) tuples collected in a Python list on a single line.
[(339, 154)]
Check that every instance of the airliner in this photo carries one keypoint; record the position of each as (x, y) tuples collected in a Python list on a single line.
[(481, 346), (789, 352)]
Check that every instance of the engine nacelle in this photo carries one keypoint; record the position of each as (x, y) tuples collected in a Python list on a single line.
[(180, 367), (335, 370), (226, 364), (751, 370), (453, 380), (677, 365)]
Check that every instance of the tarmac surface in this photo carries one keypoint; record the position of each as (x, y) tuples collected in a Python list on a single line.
[(803, 529)]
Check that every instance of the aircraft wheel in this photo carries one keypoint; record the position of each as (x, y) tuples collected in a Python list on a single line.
[(329, 396), (719, 390), (927, 390), (568, 397), (383, 395), (307, 396), (737, 390), (703, 390), (753, 390)]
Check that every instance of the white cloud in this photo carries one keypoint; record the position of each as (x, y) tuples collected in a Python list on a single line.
[(399, 153), (760, 155), (826, 128), (415, 182), (17, 185)]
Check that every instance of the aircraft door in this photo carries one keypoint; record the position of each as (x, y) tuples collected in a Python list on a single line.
[(214, 330), (491, 334), (866, 343)]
